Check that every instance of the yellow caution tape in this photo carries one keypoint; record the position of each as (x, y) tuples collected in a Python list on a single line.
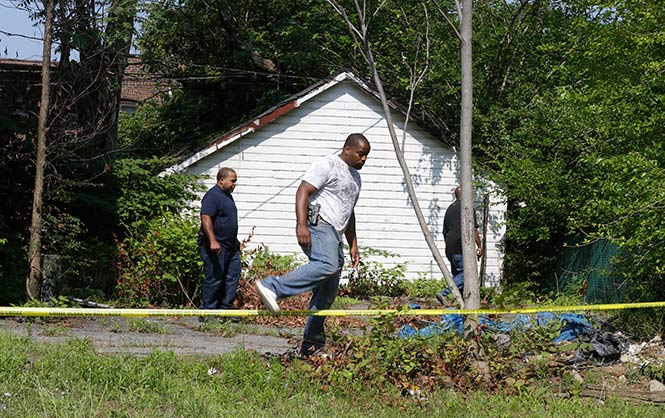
[(25, 311)]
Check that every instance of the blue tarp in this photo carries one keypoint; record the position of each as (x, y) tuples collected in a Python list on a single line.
[(574, 325)]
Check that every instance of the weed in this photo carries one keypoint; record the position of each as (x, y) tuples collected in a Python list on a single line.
[(519, 294), (342, 302), (422, 287), (642, 324), (53, 330), (260, 262), (654, 371), (59, 302), (115, 327), (219, 327), (145, 326), (380, 360)]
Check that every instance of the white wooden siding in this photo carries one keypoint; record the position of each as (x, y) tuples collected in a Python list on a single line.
[(271, 161)]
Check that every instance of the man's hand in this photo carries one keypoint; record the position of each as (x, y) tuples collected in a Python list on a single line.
[(479, 252), (303, 235), (207, 227), (355, 257), (215, 247), (302, 203)]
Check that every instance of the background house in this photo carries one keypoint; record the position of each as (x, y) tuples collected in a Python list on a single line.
[(138, 85), (19, 77), (272, 152)]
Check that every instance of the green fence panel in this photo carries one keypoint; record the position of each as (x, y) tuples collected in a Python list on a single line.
[(586, 269)]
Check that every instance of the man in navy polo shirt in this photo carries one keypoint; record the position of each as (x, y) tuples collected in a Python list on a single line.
[(218, 243)]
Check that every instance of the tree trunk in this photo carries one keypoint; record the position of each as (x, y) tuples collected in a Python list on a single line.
[(119, 33), (33, 282), (471, 285)]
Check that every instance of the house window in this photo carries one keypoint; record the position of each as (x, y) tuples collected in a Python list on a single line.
[(128, 108)]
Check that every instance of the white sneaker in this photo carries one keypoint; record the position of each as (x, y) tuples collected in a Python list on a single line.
[(268, 297)]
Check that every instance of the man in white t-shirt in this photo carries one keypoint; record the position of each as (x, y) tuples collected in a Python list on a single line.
[(325, 201)]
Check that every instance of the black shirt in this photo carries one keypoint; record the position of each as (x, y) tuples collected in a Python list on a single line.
[(452, 229)]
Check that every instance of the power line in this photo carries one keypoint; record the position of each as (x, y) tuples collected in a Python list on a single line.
[(233, 72), (21, 36)]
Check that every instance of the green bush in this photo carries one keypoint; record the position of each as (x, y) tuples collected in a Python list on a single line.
[(13, 271), (372, 278), (157, 255), (162, 267), (67, 236), (260, 262), (422, 287)]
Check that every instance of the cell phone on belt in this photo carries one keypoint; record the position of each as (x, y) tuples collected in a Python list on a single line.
[(313, 213)]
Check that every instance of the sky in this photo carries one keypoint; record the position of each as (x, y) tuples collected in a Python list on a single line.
[(17, 21)]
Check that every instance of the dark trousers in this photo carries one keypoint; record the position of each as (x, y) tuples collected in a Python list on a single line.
[(457, 271), (222, 273)]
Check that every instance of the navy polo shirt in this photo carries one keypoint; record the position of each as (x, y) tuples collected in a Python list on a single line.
[(219, 205)]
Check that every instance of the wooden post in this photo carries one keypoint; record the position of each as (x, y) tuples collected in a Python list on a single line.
[(51, 277)]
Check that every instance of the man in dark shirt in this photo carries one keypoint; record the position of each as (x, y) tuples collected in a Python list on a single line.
[(218, 243), (452, 233)]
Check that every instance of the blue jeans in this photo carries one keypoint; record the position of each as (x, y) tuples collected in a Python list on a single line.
[(321, 275), (457, 271), (222, 273)]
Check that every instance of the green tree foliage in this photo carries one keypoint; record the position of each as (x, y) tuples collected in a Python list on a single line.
[(143, 195), (199, 35), (574, 132), (568, 101), (208, 48), (624, 104)]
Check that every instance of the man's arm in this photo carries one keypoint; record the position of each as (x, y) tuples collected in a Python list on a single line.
[(350, 234), (302, 202), (206, 224)]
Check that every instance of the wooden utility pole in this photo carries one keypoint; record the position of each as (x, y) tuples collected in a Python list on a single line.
[(33, 282)]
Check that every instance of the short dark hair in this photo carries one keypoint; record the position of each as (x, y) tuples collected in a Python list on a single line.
[(355, 140), (224, 172)]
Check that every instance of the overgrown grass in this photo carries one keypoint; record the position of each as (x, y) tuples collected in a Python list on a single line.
[(71, 380), (640, 323)]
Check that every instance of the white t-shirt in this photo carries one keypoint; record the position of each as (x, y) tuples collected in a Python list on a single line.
[(338, 187)]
